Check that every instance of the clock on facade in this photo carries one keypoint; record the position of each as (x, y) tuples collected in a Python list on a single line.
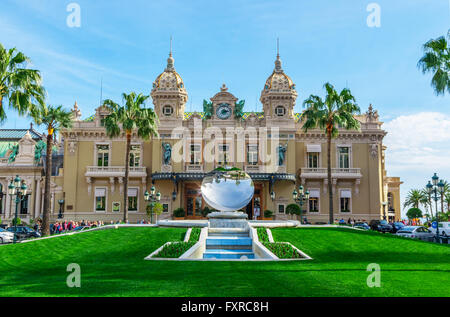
[(223, 111)]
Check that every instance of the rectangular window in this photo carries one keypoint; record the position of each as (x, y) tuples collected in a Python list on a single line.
[(135, 155), (132, 199), (252, 154), (165, 207), (281, 209), (223, 154), (313, 204), (344, 158), (100, 199), (102, 155), (345, 200), (24, 205), (313, 160), (195, 154)]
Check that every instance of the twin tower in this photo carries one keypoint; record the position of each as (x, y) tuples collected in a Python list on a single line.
[(170, 96)]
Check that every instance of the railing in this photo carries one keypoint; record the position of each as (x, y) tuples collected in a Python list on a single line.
[(194, 168), (321, 172), (110, 171)]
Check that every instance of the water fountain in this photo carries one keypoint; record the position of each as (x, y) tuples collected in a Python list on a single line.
[(228, 190)]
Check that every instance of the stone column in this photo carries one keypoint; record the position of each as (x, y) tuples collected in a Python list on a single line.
[(37, 205)]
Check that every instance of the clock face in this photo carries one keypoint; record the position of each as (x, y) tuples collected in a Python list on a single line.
[(223, 111)]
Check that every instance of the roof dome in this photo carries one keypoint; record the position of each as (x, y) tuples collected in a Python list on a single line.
[(278, 81), (169, 79)]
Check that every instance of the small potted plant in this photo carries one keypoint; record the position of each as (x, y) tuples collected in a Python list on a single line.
[(178, 214), (268, 215)]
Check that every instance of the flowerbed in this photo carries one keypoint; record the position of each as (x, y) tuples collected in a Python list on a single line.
[(195, 235), (174, 250), (281, 250)]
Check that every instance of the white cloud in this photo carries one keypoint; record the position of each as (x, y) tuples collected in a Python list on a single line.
[(418, 146), (418, 141)]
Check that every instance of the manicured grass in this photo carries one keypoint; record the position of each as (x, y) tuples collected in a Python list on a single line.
[(281, 250), (112, 264)]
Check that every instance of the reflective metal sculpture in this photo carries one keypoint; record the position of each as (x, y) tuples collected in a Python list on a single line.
[(227, 189)]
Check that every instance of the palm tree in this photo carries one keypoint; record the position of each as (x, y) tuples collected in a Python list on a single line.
[(414, 198), (19, 86), (447, 201), (336, 111), (436, 60), (53, 118), (130, 116)]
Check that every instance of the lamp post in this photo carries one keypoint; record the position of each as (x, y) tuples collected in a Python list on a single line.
[(61, 203), (18, 188), (434, 187), (300, 197), (152, 198)]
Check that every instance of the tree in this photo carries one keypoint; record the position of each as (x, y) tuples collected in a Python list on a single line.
[(53, 118), (414, 213), (129, 117), (336, 111), (447, 201), (436, 60), (20, 87), (414, 198)]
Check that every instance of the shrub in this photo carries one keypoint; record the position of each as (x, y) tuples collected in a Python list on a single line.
[(414, 213), (179, 212), (206, 211), (16, 221), (268, 213), (293, 209)]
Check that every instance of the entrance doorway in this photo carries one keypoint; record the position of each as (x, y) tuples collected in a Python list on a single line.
[(193, 201), (254, 208)]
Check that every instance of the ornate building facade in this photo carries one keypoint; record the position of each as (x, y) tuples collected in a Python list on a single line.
[(270, 145)]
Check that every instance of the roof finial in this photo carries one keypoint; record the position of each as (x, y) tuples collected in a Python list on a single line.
[(278, 48), (170, 61), (278, 60)]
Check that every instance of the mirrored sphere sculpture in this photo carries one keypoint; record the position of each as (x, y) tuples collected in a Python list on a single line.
[(227, 189)]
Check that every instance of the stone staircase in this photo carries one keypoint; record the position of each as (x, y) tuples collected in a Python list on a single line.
[(228, 243)]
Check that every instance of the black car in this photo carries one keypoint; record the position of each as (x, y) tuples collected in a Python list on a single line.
[(23, 232), (396, 226), (380, 225), (361, 225)]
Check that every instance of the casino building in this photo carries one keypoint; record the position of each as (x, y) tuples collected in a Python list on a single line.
[(269, 145)]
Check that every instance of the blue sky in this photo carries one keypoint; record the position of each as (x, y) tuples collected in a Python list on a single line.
[(234, 42)]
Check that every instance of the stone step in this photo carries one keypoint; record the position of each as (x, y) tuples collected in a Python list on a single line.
[(229, 247), (228, 240), (227, 254), (215, 234), (228, 230)]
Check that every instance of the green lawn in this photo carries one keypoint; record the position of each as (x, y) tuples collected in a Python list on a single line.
[(112, 264)]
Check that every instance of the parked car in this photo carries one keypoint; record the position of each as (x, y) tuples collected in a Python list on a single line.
[(380, 225), (80, 228), (444, 228), (24, 232), (396, 226), (416, 232), (6, 236), (361, 225)]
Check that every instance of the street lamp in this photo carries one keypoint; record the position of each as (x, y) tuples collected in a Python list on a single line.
[(272, 195), (18, 188), (152, 198), (61, 203), (300, 197), (434, 187)]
